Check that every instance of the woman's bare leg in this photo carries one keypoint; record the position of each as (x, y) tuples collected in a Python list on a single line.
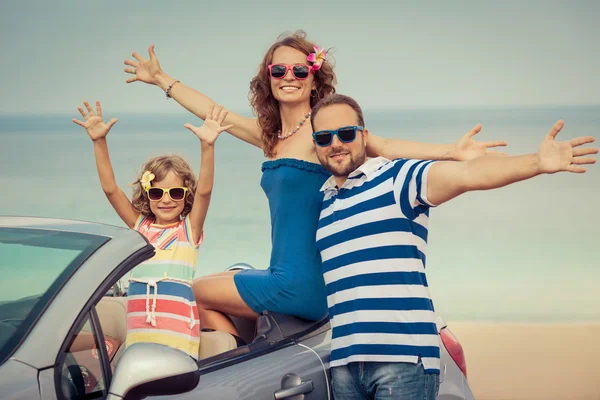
[(217, 295)]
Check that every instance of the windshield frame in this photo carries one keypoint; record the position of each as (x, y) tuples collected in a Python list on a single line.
[(95, 242)]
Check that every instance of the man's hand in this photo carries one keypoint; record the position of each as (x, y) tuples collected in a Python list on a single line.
[(556, 156)]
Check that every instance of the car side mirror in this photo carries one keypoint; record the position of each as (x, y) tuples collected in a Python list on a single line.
[(147, 369)]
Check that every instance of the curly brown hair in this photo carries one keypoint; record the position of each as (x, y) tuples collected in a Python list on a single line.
[(160, 166), (265, 106)]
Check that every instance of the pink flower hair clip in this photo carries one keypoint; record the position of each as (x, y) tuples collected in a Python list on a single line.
[(317, 58)]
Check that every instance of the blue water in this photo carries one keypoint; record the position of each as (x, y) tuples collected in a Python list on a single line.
[(528, 252)]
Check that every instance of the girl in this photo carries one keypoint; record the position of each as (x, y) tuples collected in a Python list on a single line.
[(169, 208), (293, 76)]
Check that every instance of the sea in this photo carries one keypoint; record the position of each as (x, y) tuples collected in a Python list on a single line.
[(529, 252)]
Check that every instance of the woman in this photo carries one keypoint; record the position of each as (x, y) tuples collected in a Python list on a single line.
[(282, 94)]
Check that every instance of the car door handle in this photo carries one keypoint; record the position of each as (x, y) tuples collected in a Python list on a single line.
[(302, 388)]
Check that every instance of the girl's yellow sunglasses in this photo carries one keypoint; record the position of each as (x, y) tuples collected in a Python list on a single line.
[(175, 193)]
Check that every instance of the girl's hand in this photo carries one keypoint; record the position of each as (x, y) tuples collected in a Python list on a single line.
[(144, 70), (94, 125), (210, 130)]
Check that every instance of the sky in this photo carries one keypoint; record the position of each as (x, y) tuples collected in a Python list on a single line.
[(387, 54)]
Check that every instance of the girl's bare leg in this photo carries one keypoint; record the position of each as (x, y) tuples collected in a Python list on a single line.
[(217, 295)]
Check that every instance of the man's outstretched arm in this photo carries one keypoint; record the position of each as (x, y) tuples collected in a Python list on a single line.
[(447, 180)]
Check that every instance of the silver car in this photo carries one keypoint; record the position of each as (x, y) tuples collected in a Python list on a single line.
[(61, 298)]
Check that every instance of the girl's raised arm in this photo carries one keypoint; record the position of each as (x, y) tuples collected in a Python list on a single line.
[(97, 131), (208, 134), (149, 71)]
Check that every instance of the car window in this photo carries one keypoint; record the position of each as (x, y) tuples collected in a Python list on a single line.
[(34, 264), (81, 369)]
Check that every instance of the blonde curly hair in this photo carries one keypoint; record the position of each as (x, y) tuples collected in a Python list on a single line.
[(160, 166)]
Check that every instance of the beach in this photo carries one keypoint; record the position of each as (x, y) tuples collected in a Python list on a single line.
[(514, 361)]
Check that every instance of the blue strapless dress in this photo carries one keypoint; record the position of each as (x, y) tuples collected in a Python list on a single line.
[(293, 284)]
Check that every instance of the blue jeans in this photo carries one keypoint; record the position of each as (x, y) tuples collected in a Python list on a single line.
[(383, 380)]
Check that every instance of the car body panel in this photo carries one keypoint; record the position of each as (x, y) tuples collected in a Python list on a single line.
[(47, 384), (62, 225), (260, 377), (455, 385), (18, 381)]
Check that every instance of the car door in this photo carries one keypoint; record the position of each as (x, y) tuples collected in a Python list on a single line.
[(281, 371), (266, 369)]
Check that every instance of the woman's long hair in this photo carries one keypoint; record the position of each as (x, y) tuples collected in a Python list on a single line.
[(264, 104)]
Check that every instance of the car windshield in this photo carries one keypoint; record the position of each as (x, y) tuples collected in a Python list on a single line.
[(34, 264)]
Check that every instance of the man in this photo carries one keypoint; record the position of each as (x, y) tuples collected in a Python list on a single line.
[(372, 237)]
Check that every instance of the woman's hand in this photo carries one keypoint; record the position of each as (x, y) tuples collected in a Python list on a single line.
[(210, 130), (146, 71), (467, 148), (94, 125)]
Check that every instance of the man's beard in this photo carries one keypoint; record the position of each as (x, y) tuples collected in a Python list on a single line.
[(348, 166)]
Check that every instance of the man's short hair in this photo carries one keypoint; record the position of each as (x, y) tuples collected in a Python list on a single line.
[(337, 99)]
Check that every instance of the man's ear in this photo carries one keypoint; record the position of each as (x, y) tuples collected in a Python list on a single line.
[(365, 136)]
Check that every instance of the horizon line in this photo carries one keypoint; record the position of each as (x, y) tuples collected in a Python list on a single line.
[(248, 111)]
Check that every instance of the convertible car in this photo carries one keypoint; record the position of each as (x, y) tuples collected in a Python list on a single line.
[(63, 328)]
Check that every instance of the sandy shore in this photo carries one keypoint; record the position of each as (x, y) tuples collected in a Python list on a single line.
[(531, 361)]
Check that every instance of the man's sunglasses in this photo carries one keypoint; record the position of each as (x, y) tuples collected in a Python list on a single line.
[(278, 71), (346, 134), (175, 193)]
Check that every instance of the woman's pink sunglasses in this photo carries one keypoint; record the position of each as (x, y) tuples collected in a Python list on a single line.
[(300, 71)]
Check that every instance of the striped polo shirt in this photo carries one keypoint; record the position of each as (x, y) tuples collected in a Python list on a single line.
[(372, 236)]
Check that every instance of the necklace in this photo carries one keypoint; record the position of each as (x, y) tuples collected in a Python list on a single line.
[(282, 137)]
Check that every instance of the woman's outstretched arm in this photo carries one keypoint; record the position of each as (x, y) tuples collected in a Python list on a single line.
[(149, 71), (465, 149)]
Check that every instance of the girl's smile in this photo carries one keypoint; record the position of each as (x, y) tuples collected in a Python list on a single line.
[(166, 210)]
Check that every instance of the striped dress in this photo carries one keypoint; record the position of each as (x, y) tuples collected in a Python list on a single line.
[(160, 306)]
